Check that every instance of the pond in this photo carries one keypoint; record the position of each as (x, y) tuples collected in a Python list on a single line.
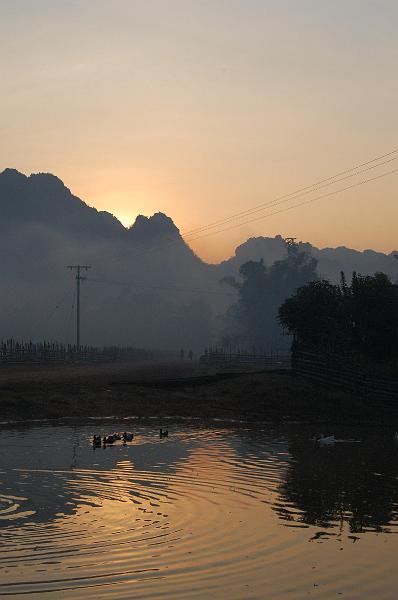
[(213, 510)]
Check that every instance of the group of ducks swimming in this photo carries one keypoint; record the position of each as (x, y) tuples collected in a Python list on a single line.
[(125, 437), (323, 440)]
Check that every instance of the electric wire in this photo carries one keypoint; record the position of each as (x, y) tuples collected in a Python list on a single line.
[(294, 196), (49, 316), (129, 284), (307, 189), (339, 191), (204, 230)]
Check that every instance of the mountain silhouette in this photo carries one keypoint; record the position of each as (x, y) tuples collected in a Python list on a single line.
[(331, 261), (148, 229), (146, 287), (43, 199)]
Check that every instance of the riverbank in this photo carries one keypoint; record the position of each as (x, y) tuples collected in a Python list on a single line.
[(163, 389)]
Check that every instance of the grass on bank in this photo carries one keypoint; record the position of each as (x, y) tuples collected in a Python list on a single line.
[(251, 396)]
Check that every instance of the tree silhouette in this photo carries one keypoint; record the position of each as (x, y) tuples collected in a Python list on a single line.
[(360, 317), (253, 319)]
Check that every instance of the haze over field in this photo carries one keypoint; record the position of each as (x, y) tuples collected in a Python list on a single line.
[(146, 286)]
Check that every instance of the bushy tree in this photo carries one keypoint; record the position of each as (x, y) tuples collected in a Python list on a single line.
[(252, 321), (315, 315), (360, 317), (374, 315)]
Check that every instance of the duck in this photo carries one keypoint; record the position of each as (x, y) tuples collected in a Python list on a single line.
[(96, 440), (324, 440), (327, 439), (163, 432), (108, 439), (128, 436)]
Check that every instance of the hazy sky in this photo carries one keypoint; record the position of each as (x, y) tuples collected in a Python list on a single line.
[(203, 108)]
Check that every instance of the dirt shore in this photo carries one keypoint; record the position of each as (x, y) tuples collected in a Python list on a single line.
[(162, 389)]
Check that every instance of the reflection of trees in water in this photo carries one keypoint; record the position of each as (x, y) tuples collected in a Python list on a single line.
[(356, 483)]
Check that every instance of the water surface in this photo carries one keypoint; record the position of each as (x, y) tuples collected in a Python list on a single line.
[(223, 511)]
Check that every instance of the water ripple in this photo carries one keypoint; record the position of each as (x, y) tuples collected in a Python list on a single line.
[(201, 513)]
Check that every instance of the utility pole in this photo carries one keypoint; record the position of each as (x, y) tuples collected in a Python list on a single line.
[(79, 278)]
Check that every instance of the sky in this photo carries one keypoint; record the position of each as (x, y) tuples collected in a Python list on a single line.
[(205, 108)]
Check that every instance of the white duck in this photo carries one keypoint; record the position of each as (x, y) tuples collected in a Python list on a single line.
[(325, 440)]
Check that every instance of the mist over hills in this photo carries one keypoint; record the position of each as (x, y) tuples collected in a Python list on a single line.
[(331, 261), (146, 287)]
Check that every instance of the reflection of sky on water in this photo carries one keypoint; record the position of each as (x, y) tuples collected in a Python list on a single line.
[(52, 467), (55, 469), (224, 512)]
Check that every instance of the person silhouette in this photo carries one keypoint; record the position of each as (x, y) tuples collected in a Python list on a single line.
[(190, 355), (182, 354)]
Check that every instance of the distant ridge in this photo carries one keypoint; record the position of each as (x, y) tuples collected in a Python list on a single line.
[(44, 200), (146, 288)]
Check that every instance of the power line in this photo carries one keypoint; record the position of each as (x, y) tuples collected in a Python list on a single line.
[(47, 318), (295, 195), (60, 326), (158, 287), (307, 189), (338, 177), (349, 187)]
